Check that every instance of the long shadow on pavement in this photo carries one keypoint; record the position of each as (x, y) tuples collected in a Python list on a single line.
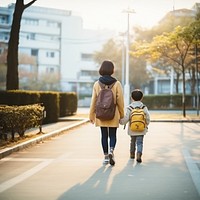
[(94, 187)]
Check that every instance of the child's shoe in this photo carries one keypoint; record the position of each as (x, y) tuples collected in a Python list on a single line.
[(139, 157), (132, 155), (111, 157), (106, 159)]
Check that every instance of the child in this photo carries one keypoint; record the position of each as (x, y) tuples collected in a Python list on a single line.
[(136, 136)]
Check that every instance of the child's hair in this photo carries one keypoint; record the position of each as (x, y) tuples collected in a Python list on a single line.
[(137, 95)]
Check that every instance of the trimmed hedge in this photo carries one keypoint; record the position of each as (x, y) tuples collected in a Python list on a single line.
[(168, 101), (50, 101), (19, 97), (18, 119), (68, 103), (57, 104)]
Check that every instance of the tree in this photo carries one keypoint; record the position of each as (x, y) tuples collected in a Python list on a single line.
[(110, 51), (139, 75), (167, 24), (3, 70), (46, 82), (145, 36), (137, 70), (12, 80), (172, 49)]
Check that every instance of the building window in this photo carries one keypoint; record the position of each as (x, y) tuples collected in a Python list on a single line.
[(50, 54), (4, 36), (3, 19), (163, 86), (52, 24), (32, 22), (86, 57), (30, 36), (34, 52), (50, 70)]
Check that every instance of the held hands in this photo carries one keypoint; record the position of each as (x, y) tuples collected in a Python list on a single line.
[(92, 121), (120, 121)]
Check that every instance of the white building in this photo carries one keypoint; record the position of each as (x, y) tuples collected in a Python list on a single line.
[(57, 41)]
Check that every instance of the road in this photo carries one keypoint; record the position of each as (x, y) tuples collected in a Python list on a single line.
[(69, 167)]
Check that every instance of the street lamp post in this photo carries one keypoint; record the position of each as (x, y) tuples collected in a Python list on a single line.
[(123, 58), (127, 86), (197, 77)]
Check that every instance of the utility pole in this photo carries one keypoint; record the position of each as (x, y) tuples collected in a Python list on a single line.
[(197, 77), (127, 85)]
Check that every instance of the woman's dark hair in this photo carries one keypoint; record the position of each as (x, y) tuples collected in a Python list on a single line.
[(137, 95), (107, 68)]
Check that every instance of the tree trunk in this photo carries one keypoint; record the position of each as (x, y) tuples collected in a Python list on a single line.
[(193, 80), (183, 95), (12, 79), (12, 57), (177, 82)]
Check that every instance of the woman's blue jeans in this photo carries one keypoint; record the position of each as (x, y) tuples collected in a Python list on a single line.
[(108, 133)]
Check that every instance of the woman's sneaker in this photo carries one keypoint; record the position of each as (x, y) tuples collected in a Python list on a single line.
[(106, 160), (111, 157)]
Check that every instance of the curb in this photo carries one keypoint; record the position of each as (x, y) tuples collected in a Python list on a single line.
[(7, 151), (176, 120)]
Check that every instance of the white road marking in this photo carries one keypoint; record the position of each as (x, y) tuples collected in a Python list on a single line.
[(24, 159), (193, 169), (44, 163), (8, 184)]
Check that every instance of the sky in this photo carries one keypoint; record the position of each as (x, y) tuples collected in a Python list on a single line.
[(111, 14)]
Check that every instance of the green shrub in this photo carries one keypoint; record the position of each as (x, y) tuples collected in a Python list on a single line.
[(168, 101), (68, 103), (19, 97), (18, 119), (50, 101)]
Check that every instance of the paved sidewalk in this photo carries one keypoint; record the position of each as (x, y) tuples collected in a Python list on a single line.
[(69, 167), (49, 130), (66, 123)]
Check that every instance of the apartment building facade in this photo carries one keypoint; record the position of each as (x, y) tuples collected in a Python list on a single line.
[(57, 44)]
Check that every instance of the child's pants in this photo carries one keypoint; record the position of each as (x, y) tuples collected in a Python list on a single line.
[(136, 141)]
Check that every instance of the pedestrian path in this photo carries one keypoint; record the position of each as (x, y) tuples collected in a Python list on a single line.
[(70, 166), (48, 131), (80, 118)]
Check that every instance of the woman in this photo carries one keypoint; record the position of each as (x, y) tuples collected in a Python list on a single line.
[(108, 127)]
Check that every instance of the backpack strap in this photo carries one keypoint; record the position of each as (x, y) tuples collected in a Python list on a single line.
[(110, 86), (103, 86), (131, 107)]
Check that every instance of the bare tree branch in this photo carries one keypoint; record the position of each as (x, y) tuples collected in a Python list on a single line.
[(29, 4)]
